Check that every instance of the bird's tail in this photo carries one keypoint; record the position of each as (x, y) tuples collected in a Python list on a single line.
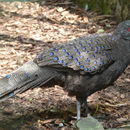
[(28, 76)]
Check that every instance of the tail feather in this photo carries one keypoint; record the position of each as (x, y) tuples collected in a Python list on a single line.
[(30, 75)]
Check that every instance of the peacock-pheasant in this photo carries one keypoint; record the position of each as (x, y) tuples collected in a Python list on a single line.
[(82, 66)]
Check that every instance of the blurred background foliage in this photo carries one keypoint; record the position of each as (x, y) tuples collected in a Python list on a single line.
[(119, 8)]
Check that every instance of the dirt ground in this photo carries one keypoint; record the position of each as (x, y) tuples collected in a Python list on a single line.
[(25, 29)]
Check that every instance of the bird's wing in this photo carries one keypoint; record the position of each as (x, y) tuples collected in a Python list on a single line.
[(89, 55)]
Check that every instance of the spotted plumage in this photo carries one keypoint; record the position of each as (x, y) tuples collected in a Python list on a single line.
[(82, 66), (83, 54)]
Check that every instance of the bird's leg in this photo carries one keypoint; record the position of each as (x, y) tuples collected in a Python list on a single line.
[(85, 106), (81, 102), (78, 109)]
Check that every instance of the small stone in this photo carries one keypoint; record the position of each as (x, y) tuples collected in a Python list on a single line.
[(61, 125)]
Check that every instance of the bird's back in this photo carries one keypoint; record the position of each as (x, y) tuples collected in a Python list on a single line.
[(86, 54)]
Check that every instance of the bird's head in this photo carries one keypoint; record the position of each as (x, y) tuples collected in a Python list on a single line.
[(123, 30)]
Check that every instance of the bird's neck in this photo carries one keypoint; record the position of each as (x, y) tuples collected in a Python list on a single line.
[(121, 49)]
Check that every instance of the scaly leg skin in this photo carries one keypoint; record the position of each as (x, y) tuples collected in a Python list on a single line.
[(78, 109), (85, 106)]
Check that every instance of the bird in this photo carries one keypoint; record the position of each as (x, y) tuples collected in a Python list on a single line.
[(81, 66)]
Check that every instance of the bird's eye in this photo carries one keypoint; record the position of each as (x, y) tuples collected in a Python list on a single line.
[(129, 29)]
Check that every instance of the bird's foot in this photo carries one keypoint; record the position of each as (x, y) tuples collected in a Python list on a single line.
[(86, 109)]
